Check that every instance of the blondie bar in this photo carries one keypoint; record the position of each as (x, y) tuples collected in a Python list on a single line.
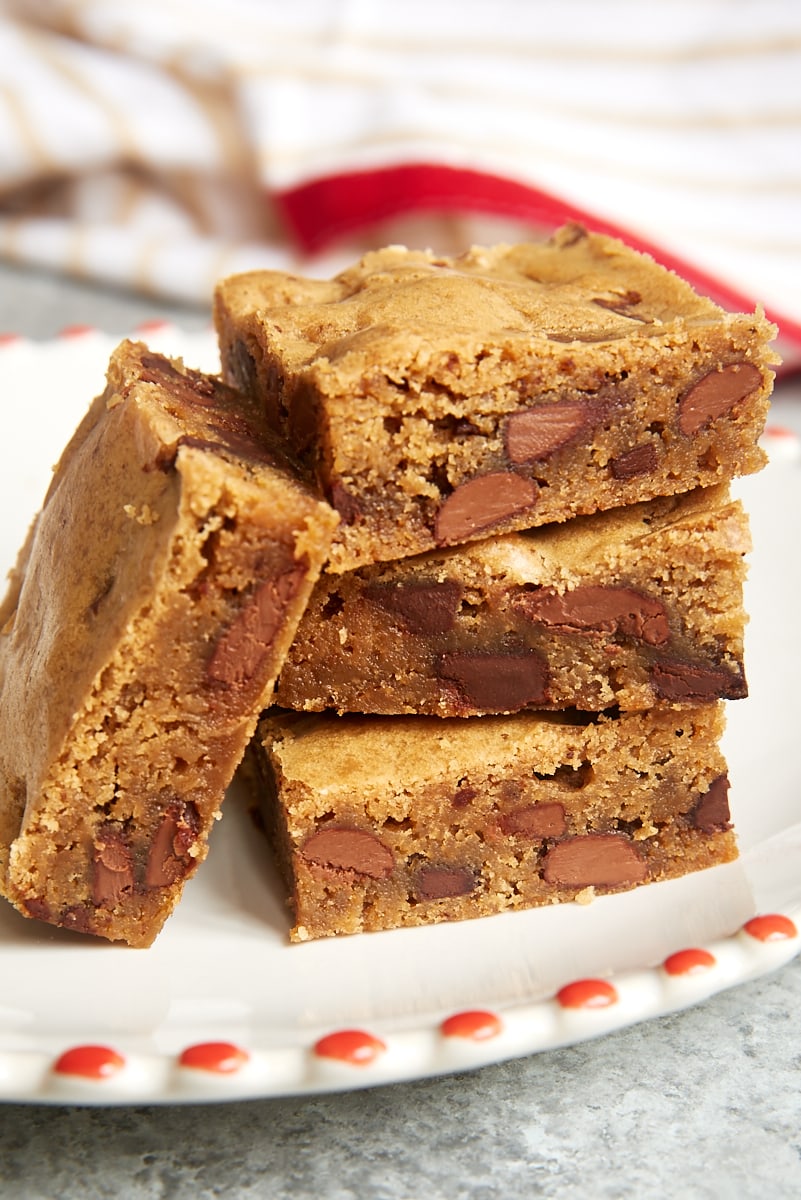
[(440, 400), (145, 625), (630, 607), (380, 822)]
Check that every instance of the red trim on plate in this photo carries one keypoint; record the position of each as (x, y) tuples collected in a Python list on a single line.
[(221, 1058), (587, 993), (692, 961), (8, 339), (321, 210), (771, 927), (76, 331), (155, 325), (477, 1025), (352, 1046), (89, 1062)]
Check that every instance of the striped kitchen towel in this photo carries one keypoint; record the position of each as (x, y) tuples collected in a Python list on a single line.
[(163, 144)]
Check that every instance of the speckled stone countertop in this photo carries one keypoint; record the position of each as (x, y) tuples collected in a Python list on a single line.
[(705, 1103)]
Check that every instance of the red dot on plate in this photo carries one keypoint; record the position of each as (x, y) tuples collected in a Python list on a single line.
[(779, 431), (223, 1058), (73, 331), (477, 1025), (152, 326), (587, 993), (92, 1062), (351, 1046), (772, 927), (689, 962)]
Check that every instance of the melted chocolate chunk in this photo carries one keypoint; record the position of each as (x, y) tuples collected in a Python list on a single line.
[(537, 432), (241, 650), (426, 608), (242, 368), (38, 908), (482, 503), (212, 410), (711, 813), (641, 460), (112, 867), (345, 504), (463, 796), (678, 680), (497, 682), (619, 302), (355, 850), (595, 860), (191, 386), (598, 609), (169, 859), (716, 394), (534, 821), (78, 917), (437, 883)]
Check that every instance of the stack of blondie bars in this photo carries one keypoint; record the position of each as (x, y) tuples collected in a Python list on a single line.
[(506, 689), (457, 530)]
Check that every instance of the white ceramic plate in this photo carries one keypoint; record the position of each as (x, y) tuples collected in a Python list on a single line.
[(223, 983)]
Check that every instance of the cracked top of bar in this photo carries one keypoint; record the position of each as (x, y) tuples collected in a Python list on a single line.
[(438, 399)]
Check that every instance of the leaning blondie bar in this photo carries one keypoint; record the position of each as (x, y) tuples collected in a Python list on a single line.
[(631, 607), (381, 822), (439, 400), (145, 625)]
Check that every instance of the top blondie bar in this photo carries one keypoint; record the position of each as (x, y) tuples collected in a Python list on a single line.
[(438, 400)]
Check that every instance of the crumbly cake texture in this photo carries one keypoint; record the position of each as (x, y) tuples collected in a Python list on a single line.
[(381, 822), (439, 400), (630, 608), (144, 627)]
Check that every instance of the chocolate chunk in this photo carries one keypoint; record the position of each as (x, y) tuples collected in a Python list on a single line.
[(169, 859), (537, 432), (38, 908), (534, 821), (242, 368), (675, 679), (427, 608), (716, 394), (463, 796), (78, 917), (355, 850), (616, 301), (598, 609), (345, 504), (569, 235), (595, 860), (242, 648), (191, 386), (481, 504), (641, 460), (112, 866), (497, 682), (437, 883), (711, 813), (303, 418)]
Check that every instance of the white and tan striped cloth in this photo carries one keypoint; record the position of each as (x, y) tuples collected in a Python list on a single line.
[(163, 143)]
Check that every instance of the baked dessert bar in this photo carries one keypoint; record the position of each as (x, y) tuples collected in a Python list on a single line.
[(380, 822), (631, 607), (441, 400), (145, 625)]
